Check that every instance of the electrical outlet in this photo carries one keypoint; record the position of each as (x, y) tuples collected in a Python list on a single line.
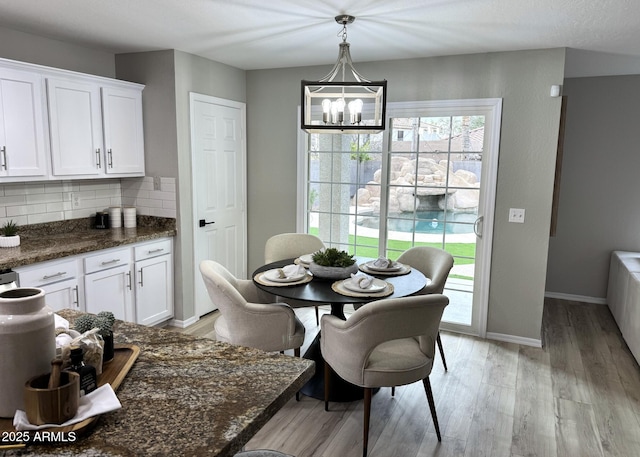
[(516, 215), (157, 184), (75, 200)]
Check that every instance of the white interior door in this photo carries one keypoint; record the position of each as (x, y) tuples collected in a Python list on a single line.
[(218, 149)]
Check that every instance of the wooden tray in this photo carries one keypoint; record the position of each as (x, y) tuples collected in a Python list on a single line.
[(113, 373)]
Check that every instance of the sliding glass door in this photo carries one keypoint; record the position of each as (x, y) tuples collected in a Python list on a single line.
[(429, 180)]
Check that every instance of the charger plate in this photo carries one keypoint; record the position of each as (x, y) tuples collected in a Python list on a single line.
[(339, 288), (404, 270), (113, 372), (261, 279)]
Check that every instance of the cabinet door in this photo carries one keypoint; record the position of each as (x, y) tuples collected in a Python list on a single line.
[(110, 290), (63, 295), (154, 290), (75, 119), (22, 137), (123, 131)]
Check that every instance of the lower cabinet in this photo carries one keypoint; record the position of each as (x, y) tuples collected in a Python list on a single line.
[(135, 283)]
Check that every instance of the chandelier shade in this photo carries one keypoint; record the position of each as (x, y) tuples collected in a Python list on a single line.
[(352, 104)]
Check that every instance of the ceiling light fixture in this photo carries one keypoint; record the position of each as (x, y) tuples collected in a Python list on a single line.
[(352, 105)]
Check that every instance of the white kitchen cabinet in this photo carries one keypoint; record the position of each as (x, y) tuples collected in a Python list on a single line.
[(154, 282), (123, 131), (75, 122), (108, 283), (59, 279), (23, 147), (96, 130)]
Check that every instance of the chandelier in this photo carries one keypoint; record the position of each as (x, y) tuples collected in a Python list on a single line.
[(353, 104)]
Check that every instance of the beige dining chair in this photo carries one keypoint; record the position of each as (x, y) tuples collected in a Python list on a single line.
[(289, 246), (243, 320), (388, 343), (435, 264)]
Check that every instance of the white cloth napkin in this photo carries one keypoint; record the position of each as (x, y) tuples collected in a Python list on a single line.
[(361, 281), (292, 271), (100, 401), (60, 322), (382, 262)]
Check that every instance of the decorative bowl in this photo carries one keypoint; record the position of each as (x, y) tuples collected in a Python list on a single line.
[(323, 272)]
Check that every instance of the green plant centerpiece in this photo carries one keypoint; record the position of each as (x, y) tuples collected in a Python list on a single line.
[(331, 263), (103, 321), (9, 237)]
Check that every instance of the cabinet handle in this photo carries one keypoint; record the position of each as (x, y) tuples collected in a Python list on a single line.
[(110, 158), (129, 277), (77, 302), (60, 273), (108, 262), (153, 251), (140, 272), (99, 162), (4, 157)]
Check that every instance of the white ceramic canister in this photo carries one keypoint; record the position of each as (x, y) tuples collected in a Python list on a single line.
[(129, 216), (27, 343), (115, 217)]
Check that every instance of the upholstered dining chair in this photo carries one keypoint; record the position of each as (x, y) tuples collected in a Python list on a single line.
[(435, 264), (388, 343), (243, 320), (288, 246)]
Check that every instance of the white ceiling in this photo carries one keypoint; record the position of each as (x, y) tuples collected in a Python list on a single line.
[(256, 34)]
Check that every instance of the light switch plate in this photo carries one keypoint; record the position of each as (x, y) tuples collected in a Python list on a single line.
[(516, 215)]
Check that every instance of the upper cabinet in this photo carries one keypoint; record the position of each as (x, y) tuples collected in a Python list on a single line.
[(96, 130), (93, 129), (23, 152)]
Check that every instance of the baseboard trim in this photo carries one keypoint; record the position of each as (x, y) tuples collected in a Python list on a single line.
[(578, 298), (183, 324), (514, 339)]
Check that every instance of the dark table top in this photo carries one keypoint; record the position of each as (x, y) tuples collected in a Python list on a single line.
[(320, 291)]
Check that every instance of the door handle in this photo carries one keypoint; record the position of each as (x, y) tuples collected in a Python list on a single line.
[(476, 224), (203, 223), (3, 149)]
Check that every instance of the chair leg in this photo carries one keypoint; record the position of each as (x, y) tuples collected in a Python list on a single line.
[(317, 316), (327, 380), (367, 415), (432, 405), (296, 352), (393, 391), (439, 341)]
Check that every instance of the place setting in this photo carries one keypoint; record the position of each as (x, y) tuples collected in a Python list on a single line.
[(288, 275), (362, 285), (385, 267)]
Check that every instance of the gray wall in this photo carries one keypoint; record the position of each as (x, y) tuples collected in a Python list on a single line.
[(526, 167), (26, 47), (599, 210)]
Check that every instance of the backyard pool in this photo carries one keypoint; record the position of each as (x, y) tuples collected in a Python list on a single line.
[(430, 222)]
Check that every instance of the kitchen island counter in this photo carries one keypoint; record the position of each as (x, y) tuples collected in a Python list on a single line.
[(186, 396)]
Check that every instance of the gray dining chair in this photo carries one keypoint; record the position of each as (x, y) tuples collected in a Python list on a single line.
[(435, 264), (289, 246), (243, 320), (388, 343)]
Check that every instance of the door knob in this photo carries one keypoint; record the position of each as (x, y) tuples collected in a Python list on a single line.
[(203, 223)]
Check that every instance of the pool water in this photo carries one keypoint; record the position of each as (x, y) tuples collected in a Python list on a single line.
[(430, 222)]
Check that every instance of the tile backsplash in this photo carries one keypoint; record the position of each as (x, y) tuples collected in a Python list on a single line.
[(38, 202)]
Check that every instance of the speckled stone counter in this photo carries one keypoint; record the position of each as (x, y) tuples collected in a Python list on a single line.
[(41, 242), (187, 396)]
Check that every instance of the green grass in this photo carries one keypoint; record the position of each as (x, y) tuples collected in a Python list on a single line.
[(463, 253)]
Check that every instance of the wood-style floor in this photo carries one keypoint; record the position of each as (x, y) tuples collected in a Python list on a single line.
[(579, 396)]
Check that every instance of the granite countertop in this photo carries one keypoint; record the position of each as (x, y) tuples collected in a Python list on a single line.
[(41, 242), (186, 396)]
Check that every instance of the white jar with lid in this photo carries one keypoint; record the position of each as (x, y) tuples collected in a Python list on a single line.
[(27, 343)]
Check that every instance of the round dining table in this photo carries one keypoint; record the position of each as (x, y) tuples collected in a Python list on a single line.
[(319, 291)]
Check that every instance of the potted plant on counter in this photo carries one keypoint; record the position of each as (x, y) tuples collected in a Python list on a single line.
[(9, 237), (331, 263), (104, 321)]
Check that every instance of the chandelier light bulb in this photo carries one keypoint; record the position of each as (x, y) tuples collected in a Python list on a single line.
[(326, 110)]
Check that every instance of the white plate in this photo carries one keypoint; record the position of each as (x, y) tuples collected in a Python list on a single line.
[(306, 258), (372, 267), (274, 276), (378, 285)]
